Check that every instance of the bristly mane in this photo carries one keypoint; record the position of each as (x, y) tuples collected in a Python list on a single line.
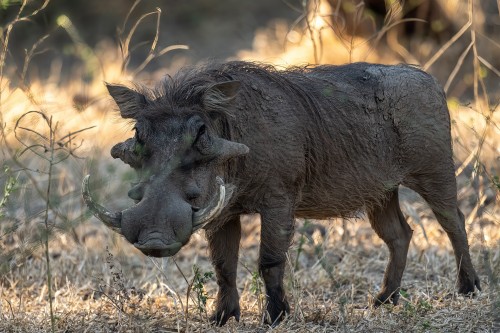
[(188, 86)]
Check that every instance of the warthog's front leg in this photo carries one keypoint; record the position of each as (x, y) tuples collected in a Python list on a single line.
[(276, 234), (224, 245)]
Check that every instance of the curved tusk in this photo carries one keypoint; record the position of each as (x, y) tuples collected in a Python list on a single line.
[(214, 208), (111, 220)]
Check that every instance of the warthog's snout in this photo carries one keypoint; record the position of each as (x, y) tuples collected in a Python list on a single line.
[(159, 244), (157, 248)]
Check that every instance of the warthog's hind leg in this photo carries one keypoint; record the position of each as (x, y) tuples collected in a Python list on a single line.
[(439, 191), (390, 225), (224, 245)]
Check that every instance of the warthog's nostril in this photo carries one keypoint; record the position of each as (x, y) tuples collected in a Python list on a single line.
[(193, 192), (195, 209)]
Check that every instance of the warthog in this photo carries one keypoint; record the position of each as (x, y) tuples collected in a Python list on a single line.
[(312, 142)]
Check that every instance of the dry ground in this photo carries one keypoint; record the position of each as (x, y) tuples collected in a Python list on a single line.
[(117, 289)]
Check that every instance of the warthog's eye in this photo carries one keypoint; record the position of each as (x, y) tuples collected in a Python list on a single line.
[(140, 150), (202, 130), (202, 141)]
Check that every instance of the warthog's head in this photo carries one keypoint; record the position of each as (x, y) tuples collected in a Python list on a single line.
[(176, 153)]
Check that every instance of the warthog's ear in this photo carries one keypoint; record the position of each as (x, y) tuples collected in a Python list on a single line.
[(129, 101), (229, 88), (219, 94)]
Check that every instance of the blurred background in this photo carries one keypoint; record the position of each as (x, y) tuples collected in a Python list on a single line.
[(278, 31), (57, 124)]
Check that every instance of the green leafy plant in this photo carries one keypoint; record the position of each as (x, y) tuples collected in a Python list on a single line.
[(302, 241), (496, 182), (257, 288), (200, 278), (9, 187)]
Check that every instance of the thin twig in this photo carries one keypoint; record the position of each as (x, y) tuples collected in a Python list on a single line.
[(35, 132), (488, 65), (128, 15), (445, 47), (47, 229), (175, 294), (457, 67)]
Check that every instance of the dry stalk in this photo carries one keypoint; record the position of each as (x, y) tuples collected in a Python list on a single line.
[(124, 41), (175, 295), (51, 145)]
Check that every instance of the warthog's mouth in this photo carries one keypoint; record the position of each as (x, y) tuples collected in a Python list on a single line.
[(155, 246)]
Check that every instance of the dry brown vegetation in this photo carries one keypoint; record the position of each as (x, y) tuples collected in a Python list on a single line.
[(97, 282)]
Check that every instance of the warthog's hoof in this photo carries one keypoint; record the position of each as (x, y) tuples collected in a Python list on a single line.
[(220, 318), (467, 285), (386, 298), (276, 309), (227, 306)]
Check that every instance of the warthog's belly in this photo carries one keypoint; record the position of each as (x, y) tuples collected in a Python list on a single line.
[(345, 188)]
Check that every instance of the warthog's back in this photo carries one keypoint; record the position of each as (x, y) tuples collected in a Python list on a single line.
[(385, 123), (348, 135)]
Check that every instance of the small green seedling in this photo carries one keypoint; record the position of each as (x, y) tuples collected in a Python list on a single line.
[(198, 285)]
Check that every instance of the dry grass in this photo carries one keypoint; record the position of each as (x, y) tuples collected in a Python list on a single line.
[(330, 290), (100, 283)]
